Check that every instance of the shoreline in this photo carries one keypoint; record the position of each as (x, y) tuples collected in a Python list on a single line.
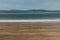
[(33, 20), (29, 30)]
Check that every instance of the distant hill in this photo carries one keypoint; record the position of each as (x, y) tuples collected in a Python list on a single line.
[(33, 10)]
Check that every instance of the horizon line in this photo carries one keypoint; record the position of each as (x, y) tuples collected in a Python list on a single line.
[(29, 9)]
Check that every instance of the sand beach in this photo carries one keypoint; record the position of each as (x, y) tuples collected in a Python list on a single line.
[(29, 31)]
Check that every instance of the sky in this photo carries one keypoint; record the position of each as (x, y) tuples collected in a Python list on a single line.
[(29, 4)]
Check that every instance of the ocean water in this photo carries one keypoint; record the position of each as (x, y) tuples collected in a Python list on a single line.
[(31, 15)]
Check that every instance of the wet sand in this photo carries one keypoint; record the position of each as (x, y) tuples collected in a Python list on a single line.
[(37, 31)]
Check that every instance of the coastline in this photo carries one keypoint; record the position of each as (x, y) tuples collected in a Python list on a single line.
[(33, 20), (31, 29)]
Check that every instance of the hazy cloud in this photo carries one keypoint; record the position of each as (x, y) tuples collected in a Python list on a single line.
[(29, 4)]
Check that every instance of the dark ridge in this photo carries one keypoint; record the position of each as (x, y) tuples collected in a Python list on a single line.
[(22, 11)]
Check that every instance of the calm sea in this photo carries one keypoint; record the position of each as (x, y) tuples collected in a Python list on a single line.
[(39, 15)]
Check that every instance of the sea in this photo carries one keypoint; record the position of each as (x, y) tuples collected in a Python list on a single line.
[(31, 16), (42, 15)]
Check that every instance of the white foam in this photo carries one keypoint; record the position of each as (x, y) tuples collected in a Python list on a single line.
[(32, 20)]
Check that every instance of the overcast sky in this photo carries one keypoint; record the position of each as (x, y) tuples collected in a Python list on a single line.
[(29, 4)]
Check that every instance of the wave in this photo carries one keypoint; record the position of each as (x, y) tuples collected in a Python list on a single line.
[(34, 20)]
